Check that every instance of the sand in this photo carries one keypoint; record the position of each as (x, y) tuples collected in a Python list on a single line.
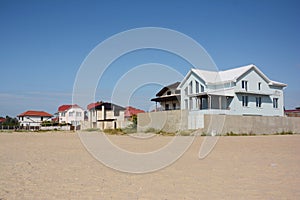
[(57, 166)]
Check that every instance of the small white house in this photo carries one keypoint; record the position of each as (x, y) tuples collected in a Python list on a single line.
[(32, 118), (168, 97), (70, 114), (239, 91)]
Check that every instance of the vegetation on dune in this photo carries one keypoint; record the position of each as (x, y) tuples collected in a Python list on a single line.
[(285, 133), (116, 131), (9, 121)]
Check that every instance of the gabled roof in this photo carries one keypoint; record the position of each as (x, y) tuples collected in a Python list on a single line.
[(34, 113), (231, 75), (63, 108), (107, 105), (166, 88), (130, 111)]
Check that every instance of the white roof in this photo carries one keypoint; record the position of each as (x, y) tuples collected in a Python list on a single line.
[(231, 75)]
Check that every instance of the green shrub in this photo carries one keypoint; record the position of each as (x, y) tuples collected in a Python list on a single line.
[(285, 133), (151, 130), (116, 131), (185, 132), (164, 133), (203, 134), (92, 129), (132, 128), (240, 134)]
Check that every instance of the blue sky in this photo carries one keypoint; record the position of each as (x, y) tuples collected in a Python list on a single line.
[(43, 43)]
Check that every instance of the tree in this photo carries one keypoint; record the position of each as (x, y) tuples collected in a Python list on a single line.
[(134, 120), (9, 121)]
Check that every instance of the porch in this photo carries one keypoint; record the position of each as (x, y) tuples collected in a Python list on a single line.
[(210, 101)]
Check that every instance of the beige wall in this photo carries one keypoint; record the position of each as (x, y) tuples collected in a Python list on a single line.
[(251, 124), (175, 120), (171, 121)]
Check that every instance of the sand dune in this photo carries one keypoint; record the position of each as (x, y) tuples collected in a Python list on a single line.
[(57, 166)]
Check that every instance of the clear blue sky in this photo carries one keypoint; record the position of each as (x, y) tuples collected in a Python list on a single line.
[(43, 43)]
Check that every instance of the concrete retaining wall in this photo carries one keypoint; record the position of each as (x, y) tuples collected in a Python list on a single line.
[(250, 124), (170, 121), (175, 120)]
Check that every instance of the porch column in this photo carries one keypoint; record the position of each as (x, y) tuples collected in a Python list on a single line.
[(103, 112), (209, 102)]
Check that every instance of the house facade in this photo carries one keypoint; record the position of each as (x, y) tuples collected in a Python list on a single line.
[(70, 114), (168, 98), (105, 115), (239, 91), (32, 119)]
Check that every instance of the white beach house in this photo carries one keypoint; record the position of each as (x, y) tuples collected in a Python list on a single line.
[(70, 114), (31, 118), (239, 91)]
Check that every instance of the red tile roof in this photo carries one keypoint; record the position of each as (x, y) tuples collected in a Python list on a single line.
[(35, 113), (292, 111), (132, 111), (63, 108), (2, 119), (55, 119)]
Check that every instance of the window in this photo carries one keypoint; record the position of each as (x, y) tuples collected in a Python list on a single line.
[(191, 103), (42, 118), (259, 85), (71, 114), (78, 114), (245, 85), (258, 102), (186, 104), (167, 107), (202, 88), (186, 91), (245, 101), (275, 102), (63, 114), (191, 87), (169, 93), (174, 106), (197, 87)]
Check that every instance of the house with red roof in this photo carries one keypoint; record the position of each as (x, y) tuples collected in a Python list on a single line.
[(131, 111), (70, 114), (33, 118), (2, 120), (293, 112)]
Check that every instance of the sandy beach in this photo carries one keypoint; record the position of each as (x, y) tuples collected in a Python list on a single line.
[(57, 166)]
